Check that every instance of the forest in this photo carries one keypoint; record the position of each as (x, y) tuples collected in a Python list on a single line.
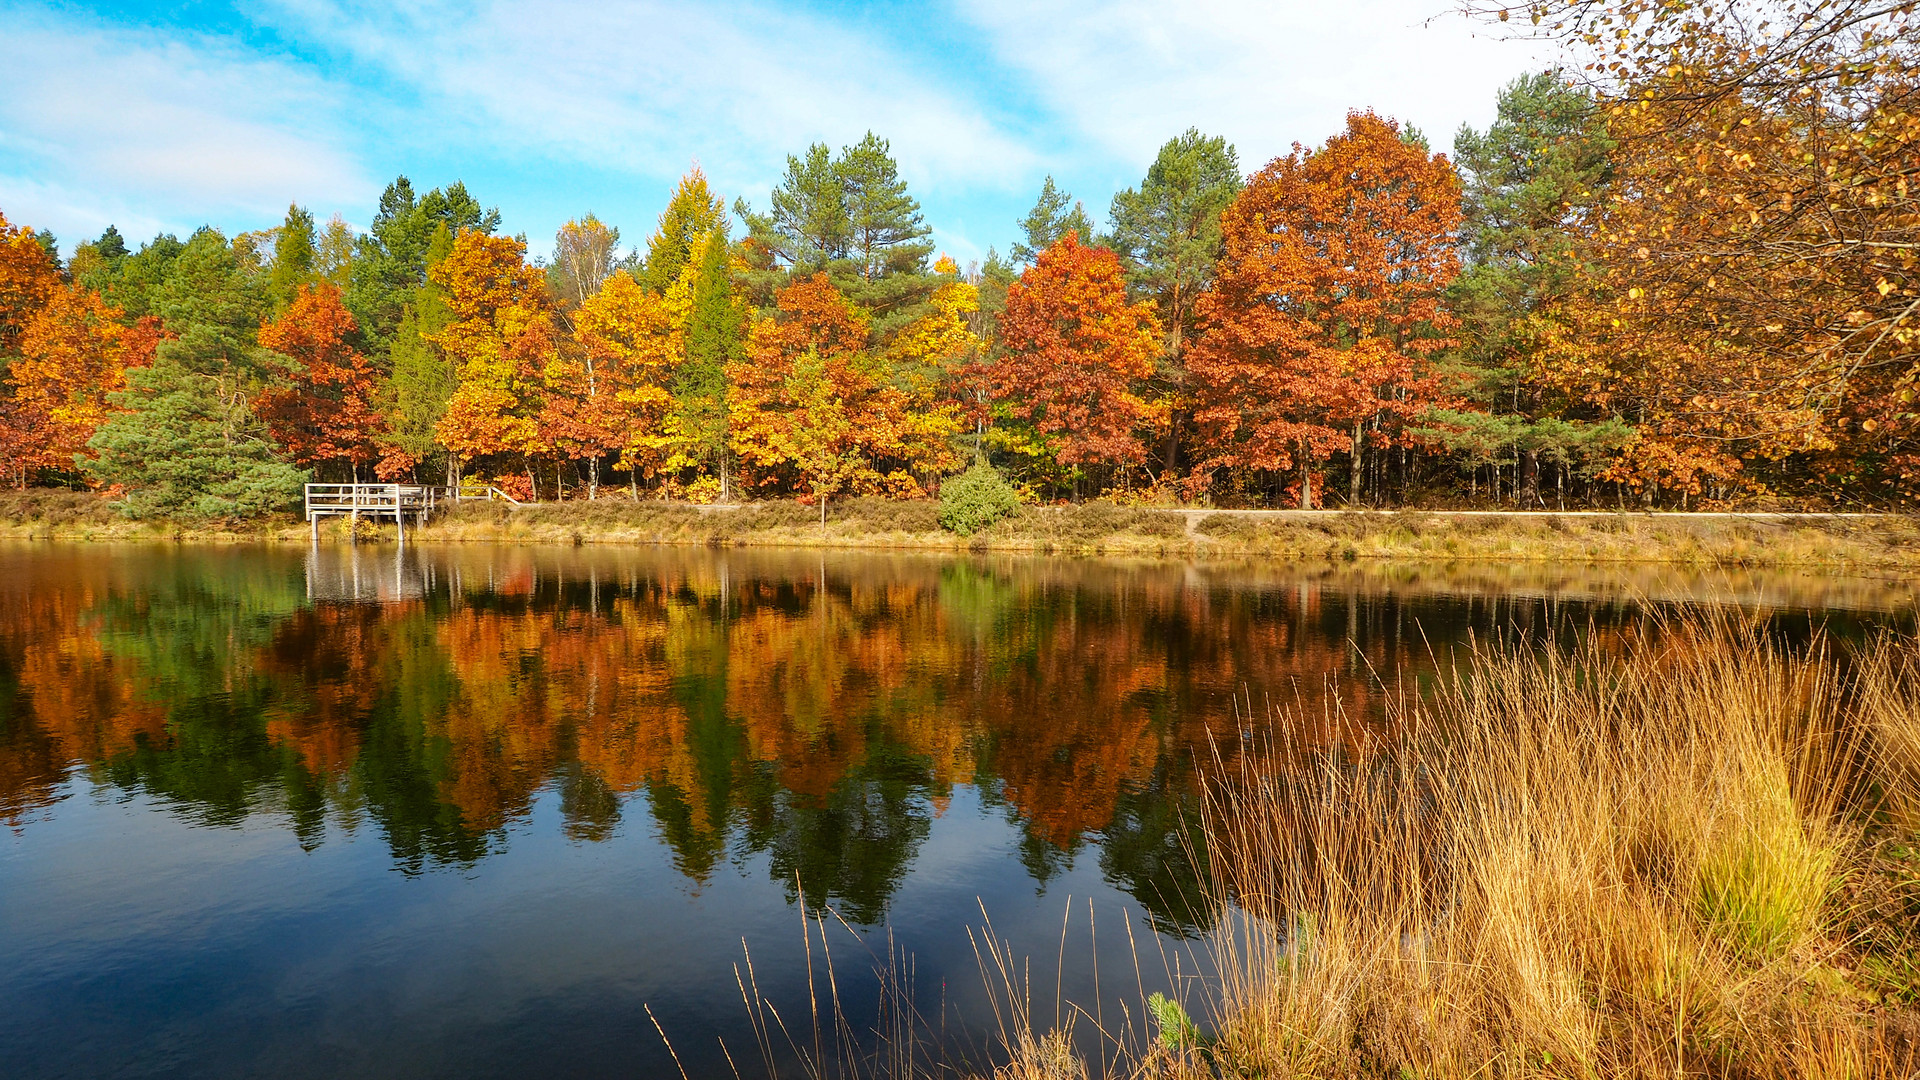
[(1674, 273)]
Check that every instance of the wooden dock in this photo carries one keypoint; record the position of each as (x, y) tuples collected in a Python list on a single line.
[(381, 502)]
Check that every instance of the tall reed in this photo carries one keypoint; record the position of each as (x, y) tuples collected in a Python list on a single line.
[(1605, 861)]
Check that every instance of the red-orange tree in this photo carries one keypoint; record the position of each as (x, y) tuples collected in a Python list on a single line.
[(325, 411), (1326, 309), (1077, 356)]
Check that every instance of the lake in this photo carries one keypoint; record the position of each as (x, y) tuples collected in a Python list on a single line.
[(497, 811)]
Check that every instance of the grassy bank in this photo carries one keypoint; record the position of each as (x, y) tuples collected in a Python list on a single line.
[(1697, 856), (1875, 543)]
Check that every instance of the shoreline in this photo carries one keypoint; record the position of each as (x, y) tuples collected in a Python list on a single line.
[(1844, 542)]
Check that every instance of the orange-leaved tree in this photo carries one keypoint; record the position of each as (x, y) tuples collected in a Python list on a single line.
[(1326, 309), (499, 342), (1077, 356), (810, 404), (325, 410), (27, 278), (1749, 294), (74, 352)]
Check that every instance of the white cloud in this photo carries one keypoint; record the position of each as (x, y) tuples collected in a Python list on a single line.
[(646, 87), (145, 129), (1132, 73)]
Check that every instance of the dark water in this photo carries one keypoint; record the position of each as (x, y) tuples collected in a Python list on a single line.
[(464, 812)]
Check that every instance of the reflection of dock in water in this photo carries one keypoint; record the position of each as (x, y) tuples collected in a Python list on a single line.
[(368, 575)]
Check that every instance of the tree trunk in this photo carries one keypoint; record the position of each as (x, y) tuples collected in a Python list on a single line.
[(1306, 476), (593, 478), (1359, 462)]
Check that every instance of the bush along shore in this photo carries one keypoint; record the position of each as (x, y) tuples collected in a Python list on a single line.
[(1878, 543)]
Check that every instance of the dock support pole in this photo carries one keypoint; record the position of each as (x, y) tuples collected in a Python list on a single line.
[(313, 522)]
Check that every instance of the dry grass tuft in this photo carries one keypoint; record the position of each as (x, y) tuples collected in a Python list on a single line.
[(1583, 864)]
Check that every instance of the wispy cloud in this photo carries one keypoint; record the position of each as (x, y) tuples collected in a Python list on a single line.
[(102, 123), (1129, 74), (632, 87)]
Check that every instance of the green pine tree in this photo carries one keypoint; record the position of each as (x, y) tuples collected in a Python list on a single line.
[(885, 228), (184, 449), (423, 380), (130, 281), (810, 212), (714, 340), (294, 257), (1530, 179), (1053, 216), (187, 443), (1167, 231), (391, 263)]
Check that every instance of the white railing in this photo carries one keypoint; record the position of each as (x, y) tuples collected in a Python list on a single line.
[(397, 502), (487, 492)]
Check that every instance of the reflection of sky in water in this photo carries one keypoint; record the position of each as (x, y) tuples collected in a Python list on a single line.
[(132, 943), (461, 812)]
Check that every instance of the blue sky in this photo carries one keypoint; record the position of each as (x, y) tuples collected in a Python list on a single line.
[(168, 116)]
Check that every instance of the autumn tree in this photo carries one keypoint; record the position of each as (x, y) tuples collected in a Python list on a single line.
[(811, 404), (929, 353), (499, 342), (618, 392), (692, 214), (1077, 354), (27, 278), (1320, 330), (584, 253), (74, 355), (1748, 292), (324, 411)]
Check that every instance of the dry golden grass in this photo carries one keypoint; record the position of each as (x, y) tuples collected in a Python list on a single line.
[(1584, 865), (1094, 528)]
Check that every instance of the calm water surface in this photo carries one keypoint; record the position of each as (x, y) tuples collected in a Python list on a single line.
[(462, 812)]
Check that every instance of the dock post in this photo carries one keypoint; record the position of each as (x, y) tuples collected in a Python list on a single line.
[(399, 517), (313, 523)]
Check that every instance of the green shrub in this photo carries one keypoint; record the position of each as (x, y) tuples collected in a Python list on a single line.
[(976, 499)]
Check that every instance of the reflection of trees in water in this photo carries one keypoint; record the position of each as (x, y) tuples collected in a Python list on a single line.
[(815, 711)]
